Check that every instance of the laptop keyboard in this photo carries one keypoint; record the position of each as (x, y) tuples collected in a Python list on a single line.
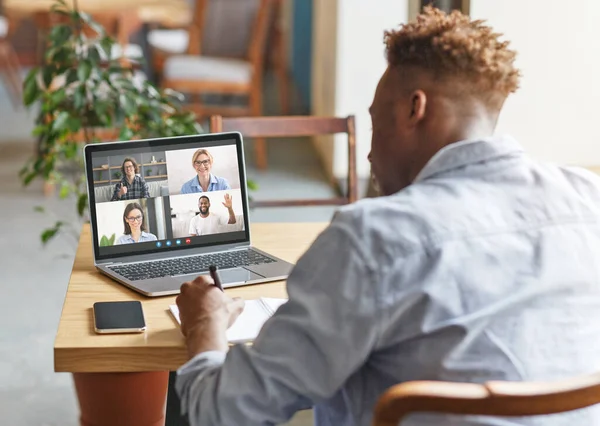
[(190, 265)]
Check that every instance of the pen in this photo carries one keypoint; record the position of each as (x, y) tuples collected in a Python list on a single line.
[(215, 276)]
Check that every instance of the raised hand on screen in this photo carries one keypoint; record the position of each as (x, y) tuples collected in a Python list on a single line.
[(227, 201)]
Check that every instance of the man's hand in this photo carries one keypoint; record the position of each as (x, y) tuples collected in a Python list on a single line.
[(206, 313), (227, 202), (123, 190)]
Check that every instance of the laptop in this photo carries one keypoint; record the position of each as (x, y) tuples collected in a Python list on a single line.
[(163, 210)]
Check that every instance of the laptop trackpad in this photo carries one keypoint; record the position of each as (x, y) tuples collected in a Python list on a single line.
[(228, 276)]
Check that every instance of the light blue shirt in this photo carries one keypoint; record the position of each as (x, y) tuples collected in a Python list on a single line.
[(216, 184), (487, 267), (128, 239)]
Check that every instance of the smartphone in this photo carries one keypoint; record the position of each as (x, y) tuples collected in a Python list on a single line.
[(119, 317)]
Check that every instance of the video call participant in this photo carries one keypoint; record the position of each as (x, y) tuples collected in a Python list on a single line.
[(132, 186), (206, 222), (135, 226), (204, 181)]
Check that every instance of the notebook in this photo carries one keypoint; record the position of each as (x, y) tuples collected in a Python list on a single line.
[(247, 326)]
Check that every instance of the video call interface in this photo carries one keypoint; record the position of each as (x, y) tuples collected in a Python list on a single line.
[(153, 199)]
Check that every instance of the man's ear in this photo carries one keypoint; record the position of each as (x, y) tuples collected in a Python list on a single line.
[(418, 100)]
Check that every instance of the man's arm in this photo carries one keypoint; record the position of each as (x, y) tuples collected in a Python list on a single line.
[(116, 195), (232, 218), (304, 353)]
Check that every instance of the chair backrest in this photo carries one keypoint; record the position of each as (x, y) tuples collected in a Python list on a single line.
[(284, 127), (230, 28), (504, 399)]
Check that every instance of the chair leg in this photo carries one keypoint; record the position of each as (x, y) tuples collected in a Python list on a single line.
[(260, 144), (260, 152)]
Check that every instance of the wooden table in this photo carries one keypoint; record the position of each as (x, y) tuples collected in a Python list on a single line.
[(117, 398), (175, 13)]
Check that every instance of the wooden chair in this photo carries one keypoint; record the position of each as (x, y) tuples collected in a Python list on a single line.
[(197, 74), (504, 399), (203, 34), (284, 127), (9, 65)]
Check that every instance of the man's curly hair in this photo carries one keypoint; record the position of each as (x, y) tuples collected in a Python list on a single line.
[(451, 45)]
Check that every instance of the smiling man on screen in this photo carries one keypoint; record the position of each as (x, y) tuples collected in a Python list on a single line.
[(477, 263)]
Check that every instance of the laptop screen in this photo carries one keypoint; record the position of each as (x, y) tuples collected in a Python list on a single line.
[(157, 195)]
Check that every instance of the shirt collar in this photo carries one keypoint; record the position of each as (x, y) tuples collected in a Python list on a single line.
[(143, 234), (212, 181), (464, 153)]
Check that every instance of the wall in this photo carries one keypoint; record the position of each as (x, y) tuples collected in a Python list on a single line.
[(348, 60), (554, 113)]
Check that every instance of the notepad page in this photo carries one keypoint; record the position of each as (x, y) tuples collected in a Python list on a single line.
[(248, 324), (272, 304)]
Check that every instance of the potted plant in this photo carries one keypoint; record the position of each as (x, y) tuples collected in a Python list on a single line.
[(82, 93), (107, 241)]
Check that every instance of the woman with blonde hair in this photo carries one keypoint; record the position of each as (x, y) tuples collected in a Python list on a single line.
[(204, 181)]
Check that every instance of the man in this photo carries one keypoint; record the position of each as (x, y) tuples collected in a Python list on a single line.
[(132, 186), (206, 222), (478, 263)]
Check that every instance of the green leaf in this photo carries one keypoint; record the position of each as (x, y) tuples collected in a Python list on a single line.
[(107, 43), (64, 191), (128, 104), (40, 130), (104, 241), (39, 209), (60, 34), (61, 121), (252, 186), (112, 239), (47, 76), (126, 134), (70, 149), (58, 96), (60, 6), (31, 91), (82, 204), (50, 233), (93, 54), (71, 76), (29, 178), (84, 70), (79, 96)]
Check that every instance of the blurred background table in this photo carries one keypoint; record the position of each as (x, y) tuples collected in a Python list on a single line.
[(175, 13)]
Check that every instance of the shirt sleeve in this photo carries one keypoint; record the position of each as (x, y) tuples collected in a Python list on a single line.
[(115, 196), (192, 229), (304, 353)]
